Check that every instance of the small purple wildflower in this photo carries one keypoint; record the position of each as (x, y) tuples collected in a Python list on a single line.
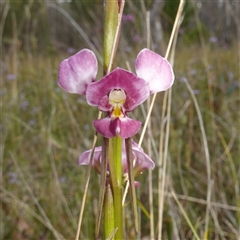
[(12, 177), (213, 39), (137, 38), (230, 75), (62, 179), (24, 105), (71, 50), (11, 77), (128, 18), (32, 122), (196, 91)]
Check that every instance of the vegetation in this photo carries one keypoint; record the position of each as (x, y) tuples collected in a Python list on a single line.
[(44, 130)]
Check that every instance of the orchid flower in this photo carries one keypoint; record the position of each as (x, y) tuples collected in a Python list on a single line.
[(119, 92), (140, 159)]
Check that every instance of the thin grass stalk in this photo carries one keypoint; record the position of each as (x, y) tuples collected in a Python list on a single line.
[(103, 184), (185, 216), (179, 12), (12, 199), (15, 56), (233, 170), (211, 106), (206, 151), (78, 28), (161, 170), (54, 170), (209, 75), (3, 19), (149, 137), (163, 159), (202, 201), (237, 20), (86, 184), (35, 200), (117, 35), (130, 162)]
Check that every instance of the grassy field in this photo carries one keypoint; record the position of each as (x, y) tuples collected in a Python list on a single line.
[(44, 130)]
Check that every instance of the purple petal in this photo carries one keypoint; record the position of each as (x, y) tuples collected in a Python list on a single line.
[(129, 127), (104, 104), (143, 161), (124, 127), (134, 87), (84, 159), (155, 70), (78, 71)]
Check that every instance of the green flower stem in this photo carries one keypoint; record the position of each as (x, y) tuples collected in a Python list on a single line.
[(115, 164), (109, 225), (114, 149), (110, 27)]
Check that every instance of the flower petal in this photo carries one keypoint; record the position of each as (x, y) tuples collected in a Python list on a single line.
[(155, 70), (78, 71), (124, 127), (134, 87), (143, 161), (84, 159), (129, 127), (104, 104)]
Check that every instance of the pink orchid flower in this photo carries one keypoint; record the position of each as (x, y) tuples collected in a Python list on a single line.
[(140, 159), (119, 92)]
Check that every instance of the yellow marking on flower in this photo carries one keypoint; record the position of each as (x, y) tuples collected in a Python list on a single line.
[(117, 98)]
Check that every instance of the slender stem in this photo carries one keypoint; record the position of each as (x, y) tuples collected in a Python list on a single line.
[(103, 185), (117, 154), (109, 225), (115, 164), (128, 143)]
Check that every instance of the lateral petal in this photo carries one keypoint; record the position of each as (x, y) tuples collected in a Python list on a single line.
[(155, 70), (78, 71)]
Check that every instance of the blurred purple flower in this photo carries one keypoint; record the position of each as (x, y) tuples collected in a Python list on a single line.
[(137, 38), (182, 79), (32, 122), (230, 75), (193, 72), (71, 50), (196, 91), (12, 177), (24, 105), (11, 77), (62, 179), (213, 39), (128, 49), (128, 18)]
